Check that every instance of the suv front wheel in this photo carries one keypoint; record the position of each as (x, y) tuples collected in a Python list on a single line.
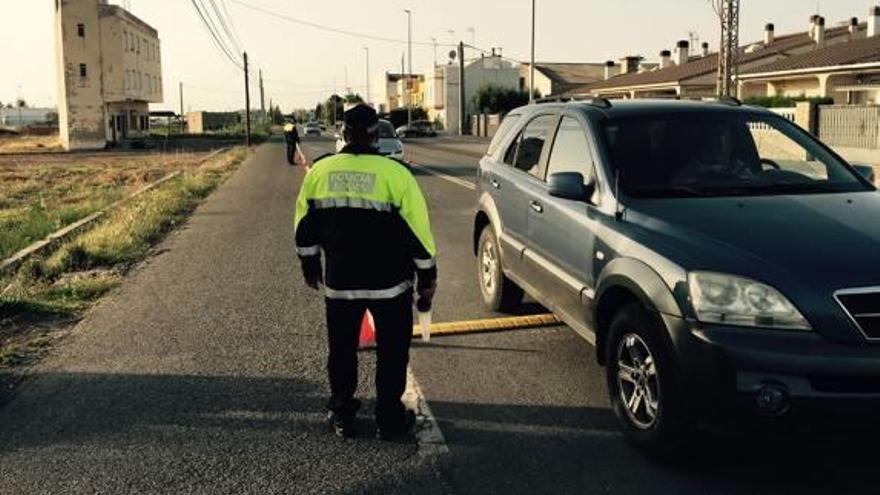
[(643, 385), (499, 292)]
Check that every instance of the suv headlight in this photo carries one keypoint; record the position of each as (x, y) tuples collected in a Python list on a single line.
[(732, 300)]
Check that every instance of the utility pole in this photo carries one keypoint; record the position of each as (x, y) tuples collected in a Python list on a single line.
[(434, 41), (181, 107), (408, 78), (262, 97), (462, 107), (532, 60), (728, 67), (367, 51), (247, 103)]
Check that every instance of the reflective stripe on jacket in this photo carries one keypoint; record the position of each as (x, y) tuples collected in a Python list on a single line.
[(368, 216)]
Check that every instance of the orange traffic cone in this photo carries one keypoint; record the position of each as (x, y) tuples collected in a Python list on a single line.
[(367, 337)]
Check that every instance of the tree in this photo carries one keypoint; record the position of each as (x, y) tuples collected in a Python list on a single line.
[(496, 99), (319, 112), (353, 98), (339, 103), (20, 103)]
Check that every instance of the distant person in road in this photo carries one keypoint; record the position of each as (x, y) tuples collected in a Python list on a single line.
[(368, 216), (291, 136)]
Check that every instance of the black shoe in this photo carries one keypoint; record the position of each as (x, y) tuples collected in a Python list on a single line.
[(343, 426), (402, 430)]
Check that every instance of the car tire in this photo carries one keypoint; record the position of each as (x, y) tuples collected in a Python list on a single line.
[(499, 292), (638, 363)]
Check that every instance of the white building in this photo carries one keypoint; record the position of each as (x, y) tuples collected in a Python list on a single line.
[(109, 68), (442, 87)]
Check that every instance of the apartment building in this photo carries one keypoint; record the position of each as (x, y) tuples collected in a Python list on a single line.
[(109, 67)]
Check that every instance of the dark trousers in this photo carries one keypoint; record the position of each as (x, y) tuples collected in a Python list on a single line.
[(394, 321), (291, 152)]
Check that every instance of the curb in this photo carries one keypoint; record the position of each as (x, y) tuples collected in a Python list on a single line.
[(18, 258)]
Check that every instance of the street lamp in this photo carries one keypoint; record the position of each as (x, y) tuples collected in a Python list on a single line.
[(408, 77), (532, 61), (367, 51)]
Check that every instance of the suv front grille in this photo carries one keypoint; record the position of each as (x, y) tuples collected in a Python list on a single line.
[(863, 306)]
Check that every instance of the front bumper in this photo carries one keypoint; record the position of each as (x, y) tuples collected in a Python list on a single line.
[(730, 366)]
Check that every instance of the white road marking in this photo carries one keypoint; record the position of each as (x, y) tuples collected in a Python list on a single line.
[(428, 434), (447, 177)]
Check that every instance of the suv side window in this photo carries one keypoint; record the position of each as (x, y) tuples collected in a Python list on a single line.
[(571, 150), (531, 144)]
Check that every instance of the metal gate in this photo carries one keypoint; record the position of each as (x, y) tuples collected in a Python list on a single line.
[(850, 126)]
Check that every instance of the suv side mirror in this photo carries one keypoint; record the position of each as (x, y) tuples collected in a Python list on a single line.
[(866, 171), (570, 185)]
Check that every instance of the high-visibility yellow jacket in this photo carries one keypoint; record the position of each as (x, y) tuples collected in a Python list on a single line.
[(366, 213)]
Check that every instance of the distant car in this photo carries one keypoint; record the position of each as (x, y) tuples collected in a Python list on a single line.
[(313, 129), (416, 129), (389, 143)]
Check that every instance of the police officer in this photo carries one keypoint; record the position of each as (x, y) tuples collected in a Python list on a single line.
[(368, 216), (291, 137)]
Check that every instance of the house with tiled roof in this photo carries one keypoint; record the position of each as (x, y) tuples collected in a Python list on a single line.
[(847, 72), (553, 78), (684, 75)]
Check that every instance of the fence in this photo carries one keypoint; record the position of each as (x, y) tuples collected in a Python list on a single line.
[(850, 126), (786, 113)]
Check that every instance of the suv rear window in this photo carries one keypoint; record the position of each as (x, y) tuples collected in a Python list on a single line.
[(531, 144), (501, 134)]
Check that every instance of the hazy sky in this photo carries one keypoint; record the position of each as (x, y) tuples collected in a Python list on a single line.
[(301, 64)]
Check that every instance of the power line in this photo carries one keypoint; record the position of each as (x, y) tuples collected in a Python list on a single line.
[(214, 36), (231, 50), (222, 21), (329, 28), (231, 22)]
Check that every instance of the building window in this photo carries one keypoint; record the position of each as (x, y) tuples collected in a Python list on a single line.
[(81, 30), (125, 37), (83, 71)]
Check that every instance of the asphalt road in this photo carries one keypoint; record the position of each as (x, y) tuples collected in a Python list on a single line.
[(204, 373)]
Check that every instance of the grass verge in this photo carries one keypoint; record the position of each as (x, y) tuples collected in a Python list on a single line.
[(59, 287)]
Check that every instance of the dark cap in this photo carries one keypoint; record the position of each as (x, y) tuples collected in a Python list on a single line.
[(361, 118)]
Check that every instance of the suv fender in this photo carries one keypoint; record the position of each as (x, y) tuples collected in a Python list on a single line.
[(486, 214), (624, 280)]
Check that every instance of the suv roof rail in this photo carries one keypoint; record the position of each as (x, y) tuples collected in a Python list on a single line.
[(596, 101), (729, 100)]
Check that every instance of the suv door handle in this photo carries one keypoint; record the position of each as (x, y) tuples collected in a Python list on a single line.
[(538, 207), (495, 183)]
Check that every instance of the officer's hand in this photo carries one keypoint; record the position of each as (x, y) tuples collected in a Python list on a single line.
[(314, 281), (426, 295)]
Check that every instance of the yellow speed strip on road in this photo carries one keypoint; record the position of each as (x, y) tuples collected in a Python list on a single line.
[(491, 325)]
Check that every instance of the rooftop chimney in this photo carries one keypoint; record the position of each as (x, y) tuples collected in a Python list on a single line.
[(665, 59), (854, 28), (682, 52), (705, 48), (819, 36), (630, 65), (813, 20), (769, 33), (609, 69), (874, 21)]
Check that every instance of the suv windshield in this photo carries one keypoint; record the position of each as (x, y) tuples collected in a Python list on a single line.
[(386, 131), (720, 154)]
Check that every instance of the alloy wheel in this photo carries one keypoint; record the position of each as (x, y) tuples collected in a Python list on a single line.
[(637, 381)]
